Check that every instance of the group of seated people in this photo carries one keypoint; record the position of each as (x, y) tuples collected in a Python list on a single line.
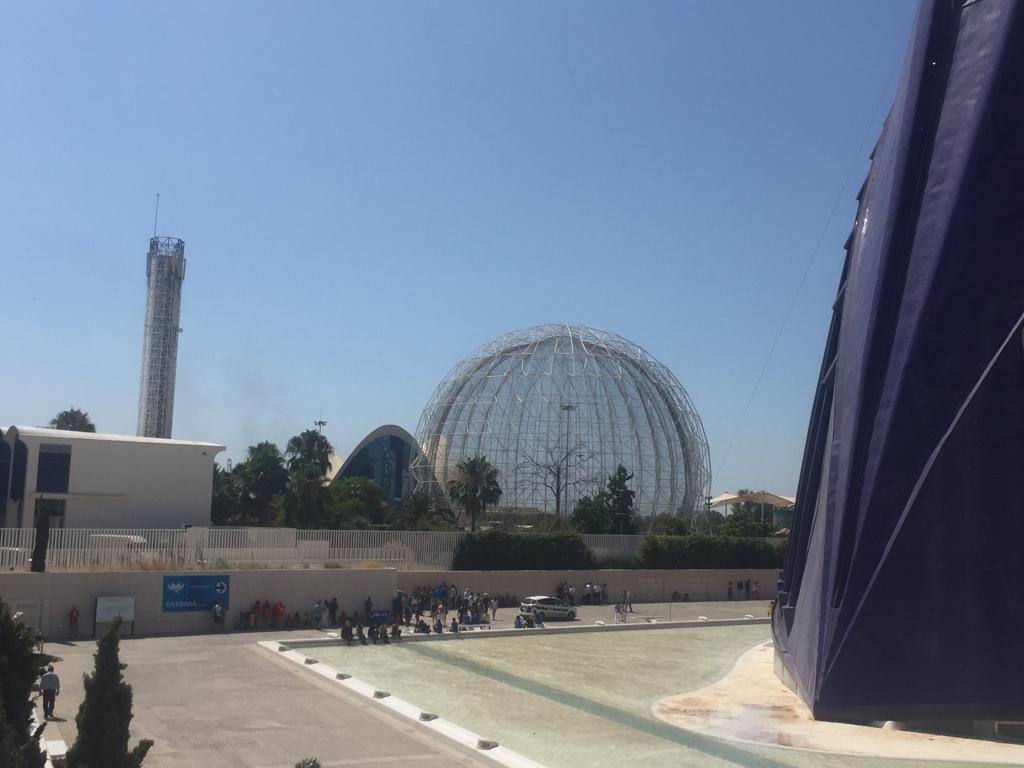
[(264, 615), (378, 633), (438, 627), (528, 620)]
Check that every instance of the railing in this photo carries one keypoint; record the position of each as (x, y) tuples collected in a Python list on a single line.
[(102, 549), (612, 548)]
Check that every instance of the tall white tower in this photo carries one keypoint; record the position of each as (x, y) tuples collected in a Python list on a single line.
[(165, 272)]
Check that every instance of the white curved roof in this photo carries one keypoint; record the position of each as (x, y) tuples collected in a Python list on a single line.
[(68, 434), (386, 430)]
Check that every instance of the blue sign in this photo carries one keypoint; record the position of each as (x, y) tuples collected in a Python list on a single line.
[(195, 593)]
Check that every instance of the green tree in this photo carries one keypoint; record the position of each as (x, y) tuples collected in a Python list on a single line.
[(311, 450), (475, 487), (591, 514), (753, 508), (680, 523), (418, 512), (704, 521), (356, 502), (620, 501), (226, 506), (20, 665), (74, 420), (308, 762), (105, 714), (261, 479), (305, 502), (744, 523), (18, 753)]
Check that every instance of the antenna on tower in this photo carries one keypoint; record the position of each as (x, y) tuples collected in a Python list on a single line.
[(156, 215)]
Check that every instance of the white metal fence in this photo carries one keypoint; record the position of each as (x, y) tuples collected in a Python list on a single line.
[(100, 549), (200, 548), (613, 548)]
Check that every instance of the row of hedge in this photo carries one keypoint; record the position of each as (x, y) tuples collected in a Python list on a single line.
[(708, 552), (504, 551)]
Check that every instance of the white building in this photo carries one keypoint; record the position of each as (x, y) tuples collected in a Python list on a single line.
[(89, 480)]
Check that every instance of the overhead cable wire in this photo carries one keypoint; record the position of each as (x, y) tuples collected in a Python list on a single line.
[(807, 270)]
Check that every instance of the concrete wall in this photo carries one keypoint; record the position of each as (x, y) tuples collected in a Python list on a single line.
[(646, 585), (46, 598), (123, 482)]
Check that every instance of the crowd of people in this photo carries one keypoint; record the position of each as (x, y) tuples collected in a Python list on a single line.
[(591, 594), (322, 614), (437, 609), (427, 610)]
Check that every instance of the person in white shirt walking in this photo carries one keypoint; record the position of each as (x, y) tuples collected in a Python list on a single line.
[(49, 685)]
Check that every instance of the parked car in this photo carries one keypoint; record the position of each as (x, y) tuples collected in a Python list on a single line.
[(548, 607)]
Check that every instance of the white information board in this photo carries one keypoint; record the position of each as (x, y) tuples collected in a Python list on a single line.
[(109, 607)]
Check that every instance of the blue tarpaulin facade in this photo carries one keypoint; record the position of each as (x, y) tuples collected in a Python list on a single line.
[(902, 594)]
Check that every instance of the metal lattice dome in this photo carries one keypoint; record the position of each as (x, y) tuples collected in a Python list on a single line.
[(556, 408)]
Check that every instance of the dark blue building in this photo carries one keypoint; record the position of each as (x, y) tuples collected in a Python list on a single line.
[(902, 595), (384, 456)]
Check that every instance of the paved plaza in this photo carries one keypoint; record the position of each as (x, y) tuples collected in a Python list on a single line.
[(221, 702), (212, 701)]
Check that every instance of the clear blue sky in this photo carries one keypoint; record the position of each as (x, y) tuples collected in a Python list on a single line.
[(368, 191)]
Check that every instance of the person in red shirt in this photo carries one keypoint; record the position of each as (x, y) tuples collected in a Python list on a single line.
[(73, 622)]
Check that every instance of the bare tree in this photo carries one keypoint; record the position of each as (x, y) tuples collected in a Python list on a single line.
[(555, 471)]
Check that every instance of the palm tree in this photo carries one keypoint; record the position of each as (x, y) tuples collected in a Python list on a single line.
[(262, 477), (475, 486), (417, 512), (310, 449)]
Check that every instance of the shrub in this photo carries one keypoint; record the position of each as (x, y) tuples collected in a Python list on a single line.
[(501, 550), (708, 552), (20, 664), (105, 714)]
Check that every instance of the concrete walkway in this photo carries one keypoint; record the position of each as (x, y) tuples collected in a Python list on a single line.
[(751, 705), (221, 702)]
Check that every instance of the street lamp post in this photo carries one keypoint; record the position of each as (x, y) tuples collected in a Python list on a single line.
[(567, 408)]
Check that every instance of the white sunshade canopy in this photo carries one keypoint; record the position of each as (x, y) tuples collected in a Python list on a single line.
[(758, 497)]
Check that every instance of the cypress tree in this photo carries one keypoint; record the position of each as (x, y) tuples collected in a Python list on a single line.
[(105, 714), (18, 752), (20, 663)]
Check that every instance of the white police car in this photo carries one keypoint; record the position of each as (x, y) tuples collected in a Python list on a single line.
[(548, 607)]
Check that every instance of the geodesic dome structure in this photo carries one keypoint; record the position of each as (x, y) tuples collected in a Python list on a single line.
[(556, 408)]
